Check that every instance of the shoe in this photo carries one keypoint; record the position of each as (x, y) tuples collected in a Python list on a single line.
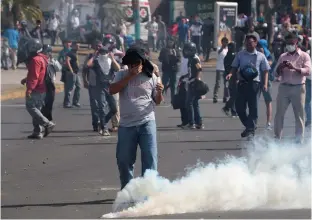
[(226, 111), (48, 129), (77, 105), (35, 136), (234, 115), (96, 129), (247, 133), (215, 100), (268, 126), (224, 100), (200, 127), (113, 129), (188, 126), (104, 133), (308, 124), (67, 106), (181, 125)]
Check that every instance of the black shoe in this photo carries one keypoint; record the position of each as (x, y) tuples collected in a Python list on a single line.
[(200, 127), (247, 133), (48, 129), (224, 100), (181, 125), (77, 105), (215, 100), (35, 136), (96, 129), (308, 124), (226, 111)]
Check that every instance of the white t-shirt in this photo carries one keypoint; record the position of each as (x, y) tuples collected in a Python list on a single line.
[(196, 30), (220, 59), (183, 67), (153, 29), (53, 24), (75, 22)]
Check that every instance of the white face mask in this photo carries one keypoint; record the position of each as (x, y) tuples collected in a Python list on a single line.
[(290, 48)]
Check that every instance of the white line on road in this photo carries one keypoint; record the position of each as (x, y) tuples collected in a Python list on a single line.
[(110, 189)]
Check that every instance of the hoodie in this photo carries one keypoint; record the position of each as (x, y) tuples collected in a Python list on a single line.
[(37, 66)]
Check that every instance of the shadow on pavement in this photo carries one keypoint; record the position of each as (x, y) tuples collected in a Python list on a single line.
[(96, 202)]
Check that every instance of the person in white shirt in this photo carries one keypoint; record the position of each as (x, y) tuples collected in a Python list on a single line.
[(152, 28), (75, 20), (53, 25), (196, 33), (220, 72)]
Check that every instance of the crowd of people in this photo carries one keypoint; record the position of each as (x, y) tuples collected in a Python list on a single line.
[(125, 85)]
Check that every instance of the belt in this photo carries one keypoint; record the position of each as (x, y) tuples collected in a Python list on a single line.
[(288, 84)]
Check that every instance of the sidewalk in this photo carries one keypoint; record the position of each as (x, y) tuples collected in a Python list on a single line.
[(11, 87), (154, 56)]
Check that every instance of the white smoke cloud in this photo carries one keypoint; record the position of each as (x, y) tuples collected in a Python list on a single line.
[(271, 176)]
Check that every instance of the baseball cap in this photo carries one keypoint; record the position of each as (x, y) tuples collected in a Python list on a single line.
[(254, 36)]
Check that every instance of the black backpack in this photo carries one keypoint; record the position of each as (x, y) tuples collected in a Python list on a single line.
[(49, 74)]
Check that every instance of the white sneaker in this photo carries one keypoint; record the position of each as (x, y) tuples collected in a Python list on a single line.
[(268, 126)]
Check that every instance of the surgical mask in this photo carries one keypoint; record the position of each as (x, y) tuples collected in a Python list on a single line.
[(290, 47)]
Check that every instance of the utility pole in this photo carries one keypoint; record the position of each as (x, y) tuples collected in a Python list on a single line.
[(136, 16), (171, 11)]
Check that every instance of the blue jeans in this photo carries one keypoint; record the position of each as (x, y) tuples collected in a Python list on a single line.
[(94, 106), (128, 139), (72, 80), (308, 101), (106, 105), (248, 95), (34, 104), (193, 110)]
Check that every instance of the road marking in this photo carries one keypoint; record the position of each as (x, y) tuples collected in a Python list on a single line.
[(110, 189)]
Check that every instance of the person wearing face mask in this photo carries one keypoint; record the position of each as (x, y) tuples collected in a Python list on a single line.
[(253, 67), (102, 63), (89, 82), (170, 58), (293, 67)]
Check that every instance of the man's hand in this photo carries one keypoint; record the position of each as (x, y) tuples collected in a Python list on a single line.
[(133, 71), (85, 84), (23, 81), (228, 76), (265, 87), (159, 87), (28, 94)]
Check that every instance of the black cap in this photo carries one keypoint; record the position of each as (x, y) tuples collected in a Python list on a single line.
[(254, 36), (133, 55)]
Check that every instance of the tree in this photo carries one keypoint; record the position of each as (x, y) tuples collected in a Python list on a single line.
[(110, 14), (18, 10)]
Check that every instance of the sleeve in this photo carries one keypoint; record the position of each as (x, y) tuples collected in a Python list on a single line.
[(118, 76), (236, 62), (306, 67), (279, 61), (154, 91), (161, 55), (264, 65), (33, 74)]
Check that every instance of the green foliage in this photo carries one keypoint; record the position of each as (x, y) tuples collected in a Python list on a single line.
[(22, 10)]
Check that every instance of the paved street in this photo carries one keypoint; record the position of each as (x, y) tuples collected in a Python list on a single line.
[(73, 174)]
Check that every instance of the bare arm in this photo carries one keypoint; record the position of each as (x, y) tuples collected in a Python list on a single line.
[(68, 64), (115, 65), (116, 87)]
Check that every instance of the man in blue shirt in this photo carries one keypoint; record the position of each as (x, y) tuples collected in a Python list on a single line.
[(12, 35), (183, 32), (254, 68)]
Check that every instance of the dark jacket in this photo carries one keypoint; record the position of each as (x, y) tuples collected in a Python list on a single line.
[(170, 59)]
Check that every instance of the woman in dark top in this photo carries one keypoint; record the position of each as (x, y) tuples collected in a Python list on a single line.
[(228, 59)]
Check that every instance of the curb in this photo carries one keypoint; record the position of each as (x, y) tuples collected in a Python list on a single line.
[(20, 92)]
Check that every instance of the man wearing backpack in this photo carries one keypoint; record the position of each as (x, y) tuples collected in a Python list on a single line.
[(36, 91), (102, 63)]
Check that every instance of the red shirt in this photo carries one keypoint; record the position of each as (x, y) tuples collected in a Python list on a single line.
[(36, 74)]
